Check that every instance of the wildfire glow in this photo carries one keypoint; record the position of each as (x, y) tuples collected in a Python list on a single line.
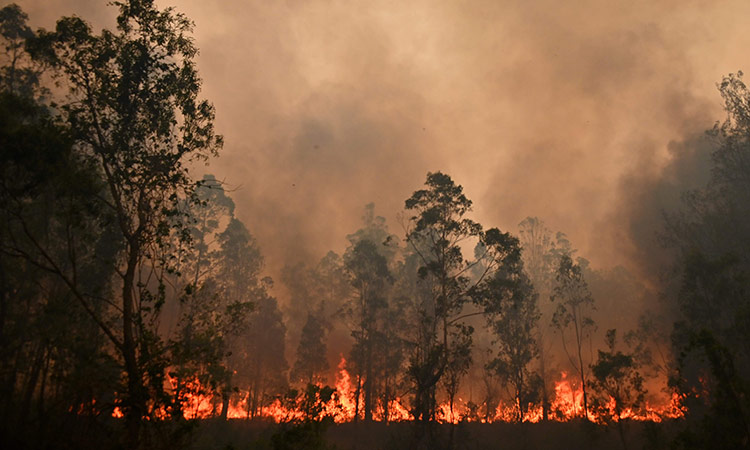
[(566, 405)]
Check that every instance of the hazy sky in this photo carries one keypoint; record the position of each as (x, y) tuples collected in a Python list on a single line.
[(587, 114)]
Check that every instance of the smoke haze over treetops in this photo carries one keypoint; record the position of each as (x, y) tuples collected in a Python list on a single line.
[(587, 114)]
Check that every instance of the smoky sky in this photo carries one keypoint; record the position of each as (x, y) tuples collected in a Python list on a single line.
[(587, 114)]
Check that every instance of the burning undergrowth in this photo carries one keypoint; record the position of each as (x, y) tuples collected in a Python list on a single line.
[(341, 405)]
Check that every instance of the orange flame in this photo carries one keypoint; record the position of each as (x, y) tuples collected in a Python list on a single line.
[(566, 405)]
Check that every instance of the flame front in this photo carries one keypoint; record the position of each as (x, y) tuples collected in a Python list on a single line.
[(344, 405)]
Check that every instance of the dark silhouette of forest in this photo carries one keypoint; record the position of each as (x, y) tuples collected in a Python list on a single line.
[(135, 311)]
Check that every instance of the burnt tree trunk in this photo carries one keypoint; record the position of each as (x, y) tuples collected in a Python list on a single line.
[(368, 382), (134, 401)]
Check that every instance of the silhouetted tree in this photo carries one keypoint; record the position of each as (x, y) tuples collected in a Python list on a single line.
[(307, 431), (321, 290), (573, 317), (617, 384), (711, 233), (258, 356), (215, 310), (712, 364), (460, 358), (514, 327), (311, 363), (53, 358), (133, 109), (369, 277), (19, 75), (435, 234), (541, 256), (206, 315)]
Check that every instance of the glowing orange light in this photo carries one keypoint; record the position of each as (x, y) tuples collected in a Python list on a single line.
[(567, 404)]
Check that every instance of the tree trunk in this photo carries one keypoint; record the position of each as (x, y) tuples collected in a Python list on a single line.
[(43, 387), (357, 392), (134, 402), (585, 401), (386, 399), (543, 374), (621, 429), (225, 397), (583, 386), (226, 394), (30, 387), (368, 382)]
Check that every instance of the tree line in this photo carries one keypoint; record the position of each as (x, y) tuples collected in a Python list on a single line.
[(128, 285)]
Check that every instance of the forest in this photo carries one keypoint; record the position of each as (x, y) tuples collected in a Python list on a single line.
[(137, 311)]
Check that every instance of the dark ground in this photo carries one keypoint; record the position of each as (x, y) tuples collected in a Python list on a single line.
[(241, 435)]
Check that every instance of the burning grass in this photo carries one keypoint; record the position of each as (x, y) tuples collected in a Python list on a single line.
[(341, 405)]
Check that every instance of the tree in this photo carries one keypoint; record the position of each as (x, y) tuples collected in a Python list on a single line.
[(391, 342), (215, 309), (375, 230), (308, 429), (714, 219), (435, 233), (538, 252), (711, 234), (330, 285), (367, 262), (258, 356), (514, 327), (53, 359), (196, 304), (133, 109), (390, 350), (572, 317), (460, 358), (213, 224), (617, 382), (320, 290), (712, 368), (369, 277), (312, 362), (492, 388), (541, 255), (722, 417), (18, 74), (240, 264)]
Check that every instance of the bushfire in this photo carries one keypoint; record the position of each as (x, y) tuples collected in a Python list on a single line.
[(566, 405)]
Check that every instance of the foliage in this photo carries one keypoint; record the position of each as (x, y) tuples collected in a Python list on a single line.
[(320, 290), (541, 253), (712, 235), (449, 284), (53, 359), (127, 286), (311, 363), (308, 430), (437, 229), (572, 318), (617, 381), (19, 75), (259, 356), (514, 327), (129, 105), (366, 262)]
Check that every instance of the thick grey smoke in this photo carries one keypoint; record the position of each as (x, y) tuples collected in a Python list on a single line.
[(649, 196), (577, 112)]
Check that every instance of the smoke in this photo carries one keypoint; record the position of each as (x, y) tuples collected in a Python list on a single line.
[(649, 195), (585, 114)]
